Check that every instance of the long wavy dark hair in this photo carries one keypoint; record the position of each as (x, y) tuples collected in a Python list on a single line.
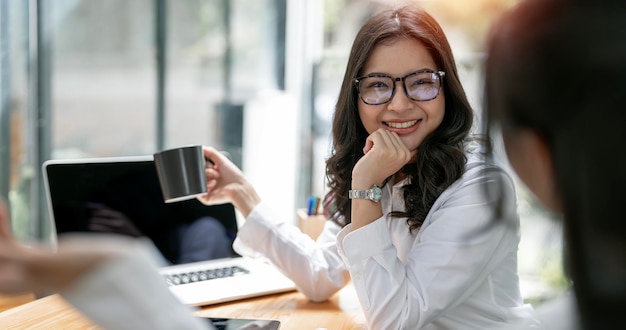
[(440, 158)]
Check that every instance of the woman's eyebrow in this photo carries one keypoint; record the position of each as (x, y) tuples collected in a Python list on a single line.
[(390, 75), (377, 73)]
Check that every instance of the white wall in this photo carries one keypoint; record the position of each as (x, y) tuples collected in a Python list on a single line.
[(277, 130), (270, 147)]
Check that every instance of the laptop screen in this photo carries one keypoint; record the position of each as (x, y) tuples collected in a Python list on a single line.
[(123, 196)]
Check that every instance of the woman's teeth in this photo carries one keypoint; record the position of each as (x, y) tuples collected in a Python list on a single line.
[(401, 125)]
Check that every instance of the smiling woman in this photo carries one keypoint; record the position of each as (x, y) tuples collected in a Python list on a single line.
[(410, 221), (416, 111)]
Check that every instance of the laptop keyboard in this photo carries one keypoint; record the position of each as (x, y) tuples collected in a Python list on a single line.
[(204, 275)]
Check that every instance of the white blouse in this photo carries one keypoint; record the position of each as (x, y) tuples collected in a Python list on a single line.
[(458, 271)]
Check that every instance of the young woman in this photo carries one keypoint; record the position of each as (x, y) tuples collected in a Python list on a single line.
[(557, 89), (411, 223)]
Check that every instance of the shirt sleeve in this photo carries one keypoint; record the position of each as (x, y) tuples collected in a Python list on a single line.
[(126, 292), (455, 251), (314, 266)]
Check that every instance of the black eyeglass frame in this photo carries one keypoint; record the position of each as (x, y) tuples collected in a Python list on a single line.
[(439, 73)]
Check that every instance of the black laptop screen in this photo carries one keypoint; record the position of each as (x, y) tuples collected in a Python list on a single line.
[(124, 197)]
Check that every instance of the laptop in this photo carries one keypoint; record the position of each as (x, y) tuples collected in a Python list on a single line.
[(122, 195)]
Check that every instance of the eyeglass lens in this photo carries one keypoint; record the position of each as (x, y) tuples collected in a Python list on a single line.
[(421, 86)]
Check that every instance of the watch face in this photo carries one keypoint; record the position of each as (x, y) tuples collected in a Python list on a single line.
[(377, 194), (374, 194)]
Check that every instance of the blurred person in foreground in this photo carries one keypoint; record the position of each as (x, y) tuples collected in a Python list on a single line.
[(556, 88), (112, 280)]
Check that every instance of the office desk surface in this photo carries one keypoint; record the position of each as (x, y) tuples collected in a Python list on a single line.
[(292, 309)]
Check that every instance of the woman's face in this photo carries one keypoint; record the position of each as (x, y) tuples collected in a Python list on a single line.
[(411, 120)]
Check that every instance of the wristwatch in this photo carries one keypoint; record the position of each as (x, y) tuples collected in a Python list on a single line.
[(374, 194)]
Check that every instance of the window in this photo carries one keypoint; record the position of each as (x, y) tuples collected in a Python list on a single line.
[(90, 78)]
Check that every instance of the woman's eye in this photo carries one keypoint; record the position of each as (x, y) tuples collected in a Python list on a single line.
[(378, 84), (421, 82)]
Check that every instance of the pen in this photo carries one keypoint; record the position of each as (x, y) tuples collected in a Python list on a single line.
[(311, 204), (316, 207)]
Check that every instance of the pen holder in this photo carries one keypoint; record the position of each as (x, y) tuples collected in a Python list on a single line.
[(311, 225)]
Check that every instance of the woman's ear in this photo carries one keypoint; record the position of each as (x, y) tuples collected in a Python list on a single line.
[(531, 158)]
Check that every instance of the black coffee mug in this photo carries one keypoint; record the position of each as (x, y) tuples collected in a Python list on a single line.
[(181, 173)]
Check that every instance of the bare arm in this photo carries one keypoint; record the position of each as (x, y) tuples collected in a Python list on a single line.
[(38, 269)]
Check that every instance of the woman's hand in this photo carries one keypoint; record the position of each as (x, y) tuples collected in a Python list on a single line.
[(227, 184), (385, 154), (40, 270)]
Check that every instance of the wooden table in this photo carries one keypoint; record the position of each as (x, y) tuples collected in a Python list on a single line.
[(294, 311), (8, 301)]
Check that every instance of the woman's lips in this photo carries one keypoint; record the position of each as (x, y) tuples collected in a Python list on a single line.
[(403, 127), (404, 124)]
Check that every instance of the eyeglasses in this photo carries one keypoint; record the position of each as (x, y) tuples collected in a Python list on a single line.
[(423, 85)]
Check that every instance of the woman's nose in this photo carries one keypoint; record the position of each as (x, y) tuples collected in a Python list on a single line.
[(399, 101)]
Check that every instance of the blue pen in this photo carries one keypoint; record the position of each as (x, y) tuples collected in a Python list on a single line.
[(311, 205)]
